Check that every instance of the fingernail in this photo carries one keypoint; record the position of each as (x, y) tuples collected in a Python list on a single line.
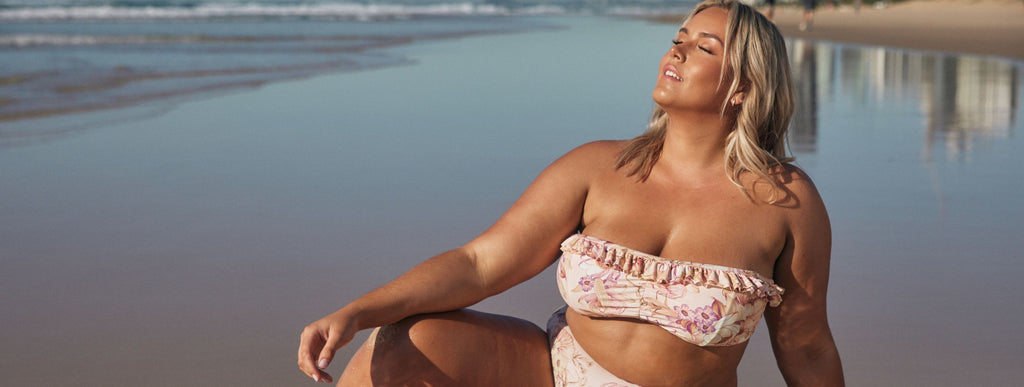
[(322, 364), (316, 378)]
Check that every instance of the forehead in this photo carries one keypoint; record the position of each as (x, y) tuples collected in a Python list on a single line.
[(710, 20)]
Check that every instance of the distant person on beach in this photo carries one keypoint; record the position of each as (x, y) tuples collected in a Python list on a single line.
[(770, 11), (669, 247), (808, 18)]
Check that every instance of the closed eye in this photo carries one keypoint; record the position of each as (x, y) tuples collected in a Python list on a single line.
[(678, 42)]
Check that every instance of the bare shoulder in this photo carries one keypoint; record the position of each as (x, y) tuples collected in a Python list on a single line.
[(575, 171), (800, 196), (793, 190), (597, 151), (592, 157), (794, 179)]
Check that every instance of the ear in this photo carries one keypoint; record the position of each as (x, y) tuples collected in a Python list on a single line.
[(737, 98)]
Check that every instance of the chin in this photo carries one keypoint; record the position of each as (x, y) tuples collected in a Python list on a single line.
[(661, 97)]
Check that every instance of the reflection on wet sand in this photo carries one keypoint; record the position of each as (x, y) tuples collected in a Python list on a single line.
[(803, 134), (964, 99)]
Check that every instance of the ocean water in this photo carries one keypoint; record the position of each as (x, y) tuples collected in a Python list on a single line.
[(187, 239), (61, 56)]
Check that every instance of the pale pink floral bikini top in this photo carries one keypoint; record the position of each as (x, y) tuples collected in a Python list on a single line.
[(706, 305)]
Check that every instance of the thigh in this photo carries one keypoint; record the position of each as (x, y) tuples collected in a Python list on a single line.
[(460, 348)]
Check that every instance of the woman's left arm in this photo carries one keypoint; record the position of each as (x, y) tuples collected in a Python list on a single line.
[(801, 339)]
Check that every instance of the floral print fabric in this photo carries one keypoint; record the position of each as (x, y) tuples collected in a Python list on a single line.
[(706, 305), (572, 365)]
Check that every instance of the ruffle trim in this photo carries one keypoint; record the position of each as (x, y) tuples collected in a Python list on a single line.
[(670, 271)]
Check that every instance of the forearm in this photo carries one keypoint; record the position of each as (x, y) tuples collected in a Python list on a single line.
[(446, 282)]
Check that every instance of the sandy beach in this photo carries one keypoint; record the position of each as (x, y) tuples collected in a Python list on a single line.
[(986, 27)]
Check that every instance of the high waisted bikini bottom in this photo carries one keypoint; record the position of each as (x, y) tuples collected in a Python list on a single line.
[(572, 365)]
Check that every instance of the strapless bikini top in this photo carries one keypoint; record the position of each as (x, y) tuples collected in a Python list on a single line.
[(706, 305)]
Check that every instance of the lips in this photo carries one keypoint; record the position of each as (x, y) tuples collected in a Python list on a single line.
[(671, 72)]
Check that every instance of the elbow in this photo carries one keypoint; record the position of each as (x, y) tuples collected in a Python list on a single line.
[(482, 274), (807, 347), (809, 360)]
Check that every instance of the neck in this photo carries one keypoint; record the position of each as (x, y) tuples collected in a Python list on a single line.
[(695, 144)]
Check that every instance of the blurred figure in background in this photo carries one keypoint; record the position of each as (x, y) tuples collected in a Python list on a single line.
[(808, 19), (770, 12)]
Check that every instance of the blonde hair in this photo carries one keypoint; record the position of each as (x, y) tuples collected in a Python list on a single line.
[(756, 52)]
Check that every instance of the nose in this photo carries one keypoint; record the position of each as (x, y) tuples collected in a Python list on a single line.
[(678, 52)]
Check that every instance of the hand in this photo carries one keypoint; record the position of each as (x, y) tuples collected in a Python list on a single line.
[(320, 340)]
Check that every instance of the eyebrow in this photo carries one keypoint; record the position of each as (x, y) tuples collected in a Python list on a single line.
[(703, 34)]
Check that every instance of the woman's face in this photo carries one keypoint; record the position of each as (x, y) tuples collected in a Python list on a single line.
[(690, 77)]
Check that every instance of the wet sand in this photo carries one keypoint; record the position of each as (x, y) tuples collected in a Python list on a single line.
[(190, 247), (986, 27)]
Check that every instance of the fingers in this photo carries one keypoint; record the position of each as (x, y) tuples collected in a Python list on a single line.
[(330, 347), (323, 377), (310, 343), (305, 346)]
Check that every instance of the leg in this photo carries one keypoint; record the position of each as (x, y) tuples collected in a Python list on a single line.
[(808, 19), (460, 348)]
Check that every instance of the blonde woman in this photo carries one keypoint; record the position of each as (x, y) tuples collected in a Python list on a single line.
[(669, 248)]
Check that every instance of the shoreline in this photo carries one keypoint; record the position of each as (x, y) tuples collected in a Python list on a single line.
[(262, 77), (972, 27), (978, 27), (196, 219)]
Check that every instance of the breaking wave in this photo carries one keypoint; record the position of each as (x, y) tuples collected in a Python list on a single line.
[(345, 11)]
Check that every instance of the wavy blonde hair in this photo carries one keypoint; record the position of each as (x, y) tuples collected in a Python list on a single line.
[(757, 56)]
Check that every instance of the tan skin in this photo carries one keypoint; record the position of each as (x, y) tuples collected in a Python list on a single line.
[(687, 209)]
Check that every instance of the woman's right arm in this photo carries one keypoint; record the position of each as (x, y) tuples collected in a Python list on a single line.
[(523, 242)]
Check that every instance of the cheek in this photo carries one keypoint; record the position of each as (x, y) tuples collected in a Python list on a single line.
[(709, 74), (712, 81)]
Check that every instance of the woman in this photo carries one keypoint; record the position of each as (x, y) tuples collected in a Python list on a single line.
[(716, 222)]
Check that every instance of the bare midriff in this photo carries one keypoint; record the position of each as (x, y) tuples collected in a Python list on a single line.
[(648, 355)]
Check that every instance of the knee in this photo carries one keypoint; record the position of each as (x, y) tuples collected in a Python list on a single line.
[(414, 334), (449, 349), (397, 354)]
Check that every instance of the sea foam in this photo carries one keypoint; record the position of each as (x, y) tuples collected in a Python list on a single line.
[(347, 11)]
